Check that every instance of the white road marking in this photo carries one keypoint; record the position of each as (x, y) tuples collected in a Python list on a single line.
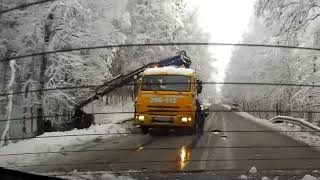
[(227, 143), (205, 154), (227, 154)]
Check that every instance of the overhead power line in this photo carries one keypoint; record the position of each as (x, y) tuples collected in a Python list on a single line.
[(29, 118), (24, 6), (159, 44), (132, 84)]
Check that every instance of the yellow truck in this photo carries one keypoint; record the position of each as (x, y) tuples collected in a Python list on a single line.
[(167, 97)]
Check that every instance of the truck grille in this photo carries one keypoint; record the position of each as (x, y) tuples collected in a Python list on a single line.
[(162, 119), (163, 108)]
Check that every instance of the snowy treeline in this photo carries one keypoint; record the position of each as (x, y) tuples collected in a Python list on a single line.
[(81, 23), (283, 22)]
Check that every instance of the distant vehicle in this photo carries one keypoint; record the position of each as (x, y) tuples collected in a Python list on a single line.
[(235, 107)]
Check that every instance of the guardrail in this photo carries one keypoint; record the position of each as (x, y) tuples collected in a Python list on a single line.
[(305, 126)]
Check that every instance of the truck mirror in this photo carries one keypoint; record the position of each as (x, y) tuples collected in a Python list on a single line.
[(136, 86), (199, 89), (199, 86)]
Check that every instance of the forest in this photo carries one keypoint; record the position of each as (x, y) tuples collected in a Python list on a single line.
[(278, 22), (59, 25)]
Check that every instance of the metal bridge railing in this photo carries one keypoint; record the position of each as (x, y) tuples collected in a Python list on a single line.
[(308, 127)]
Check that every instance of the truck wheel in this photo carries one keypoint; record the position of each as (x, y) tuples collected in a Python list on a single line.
[(166, 132), (144, 130), (194, 129)]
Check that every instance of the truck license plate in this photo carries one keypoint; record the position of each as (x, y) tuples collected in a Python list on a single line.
[(162, 118)]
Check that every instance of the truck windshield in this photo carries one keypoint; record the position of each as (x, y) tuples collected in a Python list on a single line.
[(166, 83)]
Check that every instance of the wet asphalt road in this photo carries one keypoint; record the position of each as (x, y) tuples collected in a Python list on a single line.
[(212, 152)]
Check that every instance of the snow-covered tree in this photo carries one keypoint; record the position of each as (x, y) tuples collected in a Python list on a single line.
[(80, 23), (284, 22)]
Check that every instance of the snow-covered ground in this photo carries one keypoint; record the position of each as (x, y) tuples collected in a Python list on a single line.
[(112, 113), (117, 117), (26, 152), (253, 171), (54, 142), (305, 177), (101, 175), (309, 177)]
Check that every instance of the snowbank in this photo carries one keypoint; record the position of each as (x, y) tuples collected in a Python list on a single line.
[(253, 175), (108, 116), (114, 113), (54, 142), (305, 177), (101, 175), (309, 177), (169, 70)]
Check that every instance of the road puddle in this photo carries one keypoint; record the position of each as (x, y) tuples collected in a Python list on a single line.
[(140, 148), (183, 157), (216, 132), (224, 137)]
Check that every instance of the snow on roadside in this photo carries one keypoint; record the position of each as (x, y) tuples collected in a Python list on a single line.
[(252, 118), (253, 170), (305, 137), (102, 175), (309, 177), (108, 112), (47, 143), (305, 177), (99, 175), (253, 175), (244, 177)]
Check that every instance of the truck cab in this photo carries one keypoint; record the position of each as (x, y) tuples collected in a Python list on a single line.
[(167, 97)]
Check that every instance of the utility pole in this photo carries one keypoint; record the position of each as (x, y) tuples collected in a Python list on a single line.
[(309, 115), (42, 76), (314, 64), (310, 97)]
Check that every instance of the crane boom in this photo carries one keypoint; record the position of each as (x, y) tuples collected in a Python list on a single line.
[(84, 120)]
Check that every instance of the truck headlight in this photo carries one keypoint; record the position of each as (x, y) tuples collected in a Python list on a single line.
[(185, 119), (140, 117)]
